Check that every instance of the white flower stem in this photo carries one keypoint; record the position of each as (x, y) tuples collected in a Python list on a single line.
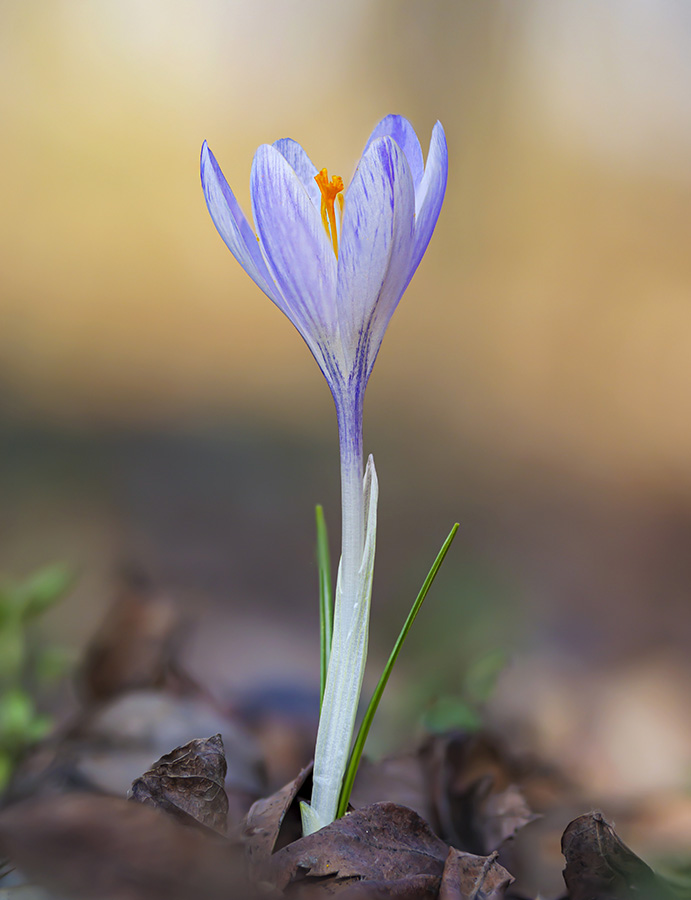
[(351, 626), (352, 505)]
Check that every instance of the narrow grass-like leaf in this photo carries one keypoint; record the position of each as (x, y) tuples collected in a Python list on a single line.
[(325, 598), (360, 740)]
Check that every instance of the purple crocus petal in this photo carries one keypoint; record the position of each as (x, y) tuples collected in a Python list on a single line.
[(303, 166), (232, 224), (430, 194), (377, 238), (403, 133), (298, 254)]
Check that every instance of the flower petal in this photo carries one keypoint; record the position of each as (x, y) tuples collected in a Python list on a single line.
[(403, 133), (303, 166), (377, 238), (232, 223), (430, 194), (298, 254)]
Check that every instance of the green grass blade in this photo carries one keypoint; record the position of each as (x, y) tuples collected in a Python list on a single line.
[(325, 598), (359, 745)]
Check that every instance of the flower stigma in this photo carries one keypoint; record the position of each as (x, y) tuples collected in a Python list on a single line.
[(330, 190)]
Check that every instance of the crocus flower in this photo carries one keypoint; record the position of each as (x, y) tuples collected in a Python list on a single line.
[(337, 262)]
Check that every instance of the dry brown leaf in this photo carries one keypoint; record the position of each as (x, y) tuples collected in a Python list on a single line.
[(599, 866), (489, 817), (135, 644), (267, 817), (414, 887), (188, 783), (475, 804), (90, 847), (382, 842), (464, 785), (469, 877)]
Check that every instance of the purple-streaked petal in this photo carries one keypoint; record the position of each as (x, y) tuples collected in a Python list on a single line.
[(430, 194), (298, 253), (303, 166), (377, 238), (232, 224), (403, 133)]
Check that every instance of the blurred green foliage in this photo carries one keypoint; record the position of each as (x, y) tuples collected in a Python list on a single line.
[(461, 646), (25, 667), (462, 710)]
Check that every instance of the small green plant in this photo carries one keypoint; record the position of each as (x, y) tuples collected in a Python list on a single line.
[(24, 667)]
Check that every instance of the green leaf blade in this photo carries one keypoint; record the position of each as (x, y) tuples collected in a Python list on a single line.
[(325, 599), (363, 732)]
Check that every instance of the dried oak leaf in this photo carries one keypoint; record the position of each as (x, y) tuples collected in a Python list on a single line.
[(89, 847), (599, 866), (267, 817), (188, 783), (469, 877), (380, 843)]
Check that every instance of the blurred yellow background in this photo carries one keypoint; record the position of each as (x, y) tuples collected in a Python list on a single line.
[(551, 315), (534, 381)]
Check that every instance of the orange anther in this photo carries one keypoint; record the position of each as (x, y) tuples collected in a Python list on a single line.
[(330, 190)]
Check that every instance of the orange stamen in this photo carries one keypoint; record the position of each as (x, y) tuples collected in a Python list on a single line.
[(330, 190)]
